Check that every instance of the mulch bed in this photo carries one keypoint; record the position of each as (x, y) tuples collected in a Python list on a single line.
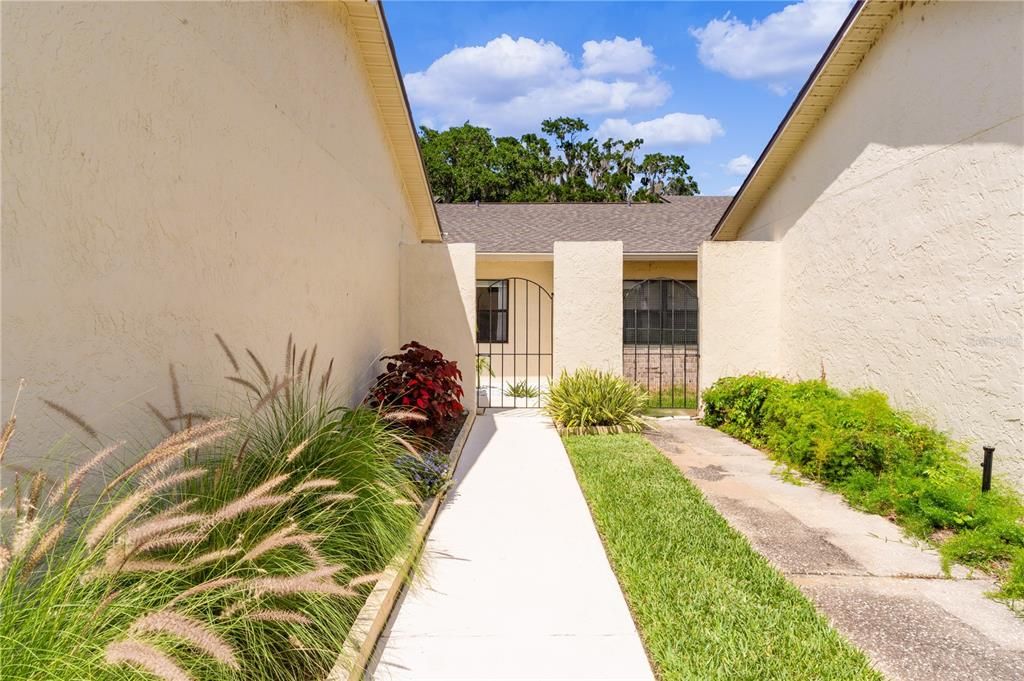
[(444, 438)]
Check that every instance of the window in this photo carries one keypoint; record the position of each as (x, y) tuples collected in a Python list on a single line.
[(659, 312), (492, 310)]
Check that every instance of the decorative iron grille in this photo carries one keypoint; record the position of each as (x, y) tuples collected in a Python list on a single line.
[(660, 340), (514, 356)]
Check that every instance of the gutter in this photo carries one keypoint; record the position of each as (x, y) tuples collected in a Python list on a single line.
[(794, 107)]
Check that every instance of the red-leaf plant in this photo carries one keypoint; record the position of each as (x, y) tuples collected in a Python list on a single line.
[(420, 379)]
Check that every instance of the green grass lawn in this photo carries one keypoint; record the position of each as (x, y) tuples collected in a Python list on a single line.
[(667, 398), (707, 605)]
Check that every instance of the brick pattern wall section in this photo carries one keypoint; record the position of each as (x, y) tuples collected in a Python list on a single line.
[(660, 366)]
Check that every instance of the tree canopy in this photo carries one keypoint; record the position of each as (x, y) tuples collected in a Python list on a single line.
[(562, 163)]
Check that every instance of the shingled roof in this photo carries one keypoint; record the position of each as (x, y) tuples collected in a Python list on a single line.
[(677, 226)]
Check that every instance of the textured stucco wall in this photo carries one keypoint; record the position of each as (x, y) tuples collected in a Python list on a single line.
[(175, 169), (684, 270), (540, 271), (902, 227), (588, 305), (738, 288), (439, 304)]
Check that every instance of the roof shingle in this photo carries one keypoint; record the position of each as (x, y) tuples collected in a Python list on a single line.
[(677, 226)]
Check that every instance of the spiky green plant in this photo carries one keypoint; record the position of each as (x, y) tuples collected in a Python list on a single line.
[(521, 389), (588, 399), (234, 549)]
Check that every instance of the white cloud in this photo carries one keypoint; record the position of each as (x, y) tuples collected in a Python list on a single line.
[(672, 129), (740, 165), (731, 191), (488, 72), (511, 84), (618, 56), (780, 48)]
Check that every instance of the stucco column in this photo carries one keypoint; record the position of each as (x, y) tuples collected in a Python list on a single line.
[(738, 287), (438, 305), (588, 306)]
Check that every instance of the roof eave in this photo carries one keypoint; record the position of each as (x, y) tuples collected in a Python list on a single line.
[(854, 39), (373, 39)]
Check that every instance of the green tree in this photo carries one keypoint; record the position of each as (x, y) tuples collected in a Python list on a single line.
[(665, 174), (466, 163), (458, 162), (525, 168)]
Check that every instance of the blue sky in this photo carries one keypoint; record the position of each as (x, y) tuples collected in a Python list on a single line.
[(710, 80)]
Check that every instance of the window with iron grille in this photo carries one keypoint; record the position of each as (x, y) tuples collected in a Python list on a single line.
[(492, 310), (659, 312)]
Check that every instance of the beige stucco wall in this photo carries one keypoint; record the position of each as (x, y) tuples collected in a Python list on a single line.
[(439, 304), (588, 305), (684, 270), (171, 170), (540, 271), (901, 226), (738, 322)]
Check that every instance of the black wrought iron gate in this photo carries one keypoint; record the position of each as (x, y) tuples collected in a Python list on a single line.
[(660, 348), (514, 359)]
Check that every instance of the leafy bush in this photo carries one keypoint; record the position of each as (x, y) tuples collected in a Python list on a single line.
[(521, 389), (420, 379), (588, 399), (236, 548), (736, 405), (428, 471), (880, 459)]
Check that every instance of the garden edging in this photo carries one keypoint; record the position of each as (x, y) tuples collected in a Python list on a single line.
[(370, 622)]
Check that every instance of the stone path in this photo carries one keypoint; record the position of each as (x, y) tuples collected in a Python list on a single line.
[(515, 582), (884, 592)]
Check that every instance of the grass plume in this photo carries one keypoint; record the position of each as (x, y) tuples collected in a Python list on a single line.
[(74, 418), (271, 615), (74, 481), (146, 657), (189, 630), (161, 417), (220, 512), (227, 352), (264, 376)]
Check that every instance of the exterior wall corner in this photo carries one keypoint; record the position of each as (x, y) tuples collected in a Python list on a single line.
[(438, 304), (738, 288)]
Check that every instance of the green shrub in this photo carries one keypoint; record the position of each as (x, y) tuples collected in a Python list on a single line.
[(588, 399), (736, 405), (879, 458)]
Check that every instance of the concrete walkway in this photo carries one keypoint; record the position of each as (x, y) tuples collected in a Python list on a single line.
[(515, 584), (884, 592)]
